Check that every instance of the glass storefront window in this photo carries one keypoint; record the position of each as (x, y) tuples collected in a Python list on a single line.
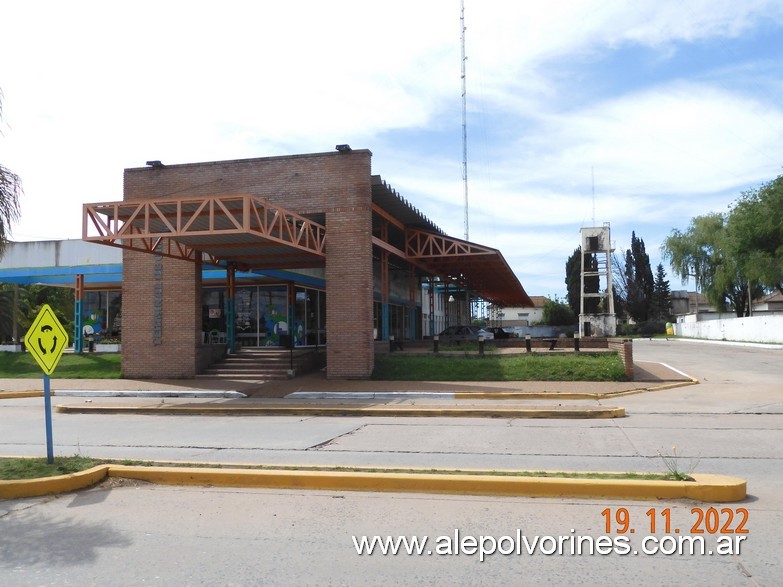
[(273, 316), (261, 316), (309, 317), (102, 312)]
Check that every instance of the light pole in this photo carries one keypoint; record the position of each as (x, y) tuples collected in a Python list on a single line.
[(695, 276)]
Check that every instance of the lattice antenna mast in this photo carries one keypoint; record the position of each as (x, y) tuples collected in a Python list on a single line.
[(464, 115), (592, 172)]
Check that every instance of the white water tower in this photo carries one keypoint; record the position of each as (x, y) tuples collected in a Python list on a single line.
[(597, 265)]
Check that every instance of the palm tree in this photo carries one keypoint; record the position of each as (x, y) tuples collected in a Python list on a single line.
[(10, 190)]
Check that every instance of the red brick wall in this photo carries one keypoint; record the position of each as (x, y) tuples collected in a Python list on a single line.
[(161, 316), (624, 347), (337, 184)]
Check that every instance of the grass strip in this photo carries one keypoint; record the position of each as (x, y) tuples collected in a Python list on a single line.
[(14, 469), (71, 366), (522, 367)]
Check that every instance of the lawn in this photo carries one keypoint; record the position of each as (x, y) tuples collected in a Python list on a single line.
[(21, 468), (71, 366), (523, 367), (12, 469)]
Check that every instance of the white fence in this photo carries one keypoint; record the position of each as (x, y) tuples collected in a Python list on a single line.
[(762, 328)]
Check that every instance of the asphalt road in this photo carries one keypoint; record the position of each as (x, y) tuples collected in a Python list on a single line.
[(730, 423)]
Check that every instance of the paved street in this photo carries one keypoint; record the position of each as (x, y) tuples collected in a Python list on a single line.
[(730, 423)]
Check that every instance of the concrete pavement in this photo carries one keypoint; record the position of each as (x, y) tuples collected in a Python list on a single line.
[(729, 425), (648, 376), (315, 395)]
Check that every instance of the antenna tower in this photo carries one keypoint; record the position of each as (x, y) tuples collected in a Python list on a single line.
[(464, 114), (592, 172)]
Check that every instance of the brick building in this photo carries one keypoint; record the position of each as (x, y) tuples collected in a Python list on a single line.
[(309, 250)]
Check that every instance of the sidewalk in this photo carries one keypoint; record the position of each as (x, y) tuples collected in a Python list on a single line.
[(313, 388)]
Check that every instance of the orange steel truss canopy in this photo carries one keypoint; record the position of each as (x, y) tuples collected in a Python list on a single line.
[(253, 233), (401, 229), (472, 266), (242, 229)]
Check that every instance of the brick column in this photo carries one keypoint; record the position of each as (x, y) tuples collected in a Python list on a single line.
[(349, 274), (625, 349), (161, 315)]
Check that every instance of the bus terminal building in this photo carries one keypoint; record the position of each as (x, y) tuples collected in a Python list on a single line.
[(297, 251)]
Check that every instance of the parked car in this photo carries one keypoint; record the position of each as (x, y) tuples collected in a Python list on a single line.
[(467, 333), (499, 332)]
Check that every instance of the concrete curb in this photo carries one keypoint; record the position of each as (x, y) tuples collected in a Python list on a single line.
[(21, 394), (50, 485), (567, 395), (706, 488), (478, 395), (675, 385), (395, 411), (201, 394)]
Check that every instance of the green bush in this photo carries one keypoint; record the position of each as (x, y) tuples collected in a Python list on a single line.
[(557, 314)]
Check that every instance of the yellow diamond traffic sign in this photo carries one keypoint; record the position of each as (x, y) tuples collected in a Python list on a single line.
[(46, 340)]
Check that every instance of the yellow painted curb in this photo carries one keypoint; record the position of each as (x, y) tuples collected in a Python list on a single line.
[(20, 394), (49, 485), (566, 395), (706, 488), (374, 411), (675, 385), (548, 395)]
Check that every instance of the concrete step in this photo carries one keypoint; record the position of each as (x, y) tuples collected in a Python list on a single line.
[(248, 376), (259, 364)]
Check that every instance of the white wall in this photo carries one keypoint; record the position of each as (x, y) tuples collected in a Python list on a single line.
[(511, 316), (767, 328), (64, 253)]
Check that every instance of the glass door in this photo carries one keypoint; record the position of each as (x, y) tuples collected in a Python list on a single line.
[(246, 316)]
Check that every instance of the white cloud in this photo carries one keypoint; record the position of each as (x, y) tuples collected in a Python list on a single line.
[(94, 87)]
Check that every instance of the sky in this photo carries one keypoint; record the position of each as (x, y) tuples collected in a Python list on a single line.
[(641, 113)]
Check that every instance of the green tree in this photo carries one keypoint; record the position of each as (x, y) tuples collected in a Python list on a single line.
[(639, 281), (660, 308), (573, 281), (558, 314), (29, 300), (707, 252), (9, 314), (755, 227), (619, 285), (10, 192)]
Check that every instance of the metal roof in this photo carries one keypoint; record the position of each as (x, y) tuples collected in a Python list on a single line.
[(475, 267), (387, 198), (478, 268)]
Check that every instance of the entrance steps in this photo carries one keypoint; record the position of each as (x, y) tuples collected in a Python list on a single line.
[(263, 364)]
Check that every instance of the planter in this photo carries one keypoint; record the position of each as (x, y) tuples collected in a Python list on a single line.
[(107, 347), (11, 348)]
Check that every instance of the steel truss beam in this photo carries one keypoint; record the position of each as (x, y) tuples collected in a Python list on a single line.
[(187, 228), (423, 245)]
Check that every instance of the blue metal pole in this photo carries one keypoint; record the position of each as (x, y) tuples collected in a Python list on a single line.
[(78, 335), (48, 408)]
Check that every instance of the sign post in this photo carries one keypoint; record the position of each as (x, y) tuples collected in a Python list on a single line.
[(48, 410), (46, 340)]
